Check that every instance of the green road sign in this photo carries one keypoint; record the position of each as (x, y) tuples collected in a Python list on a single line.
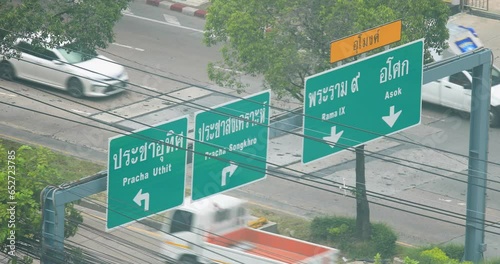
[(230, 148), (362, 101), (146, 172)]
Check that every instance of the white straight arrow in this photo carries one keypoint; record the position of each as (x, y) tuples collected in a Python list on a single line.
[(142, 196), (392, 117), (228, 172), (333, 137)]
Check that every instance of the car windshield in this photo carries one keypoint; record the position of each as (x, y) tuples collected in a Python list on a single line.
[(495, 76), (73, 55)]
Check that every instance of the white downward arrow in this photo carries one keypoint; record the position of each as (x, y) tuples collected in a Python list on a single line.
[(392, 117), (228, 170), (142, 196), (334, 136)]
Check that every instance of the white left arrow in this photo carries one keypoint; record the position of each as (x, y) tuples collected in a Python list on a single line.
[(333, 137), (392, 117), (142, 196), (228, 172)]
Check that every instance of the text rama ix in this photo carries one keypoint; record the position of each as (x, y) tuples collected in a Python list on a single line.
[(175, 141)]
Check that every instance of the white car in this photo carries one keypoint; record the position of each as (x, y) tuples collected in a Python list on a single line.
[(64, 68), (455, 92)]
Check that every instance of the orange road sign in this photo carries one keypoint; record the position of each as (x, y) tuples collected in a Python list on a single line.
[(365, 41)]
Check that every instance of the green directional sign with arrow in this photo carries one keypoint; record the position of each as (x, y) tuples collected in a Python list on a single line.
[(359, 102), (230, 148), (146, 172)]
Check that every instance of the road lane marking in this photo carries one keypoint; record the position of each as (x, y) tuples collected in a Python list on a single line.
[(138, 229), (228, 70), (127, 46), (8, 94), (171, 20), (127, 11), (143, 231), (405, 244), (149, 88), (80, 112), (164, 23)]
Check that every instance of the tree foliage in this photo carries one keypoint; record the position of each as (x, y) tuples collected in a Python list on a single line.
[(30, 171), (288, 40), (87, 22)]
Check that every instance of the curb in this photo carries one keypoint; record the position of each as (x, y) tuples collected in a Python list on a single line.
[(178, 7)]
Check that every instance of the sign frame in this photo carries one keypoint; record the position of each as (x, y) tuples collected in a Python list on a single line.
[(196, 141), (334, 123), (148, 140)]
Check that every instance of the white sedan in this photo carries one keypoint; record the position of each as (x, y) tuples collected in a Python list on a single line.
[(80, 74)]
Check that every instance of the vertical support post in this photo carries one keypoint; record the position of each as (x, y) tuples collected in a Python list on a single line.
[(52, 227), (478, 157)]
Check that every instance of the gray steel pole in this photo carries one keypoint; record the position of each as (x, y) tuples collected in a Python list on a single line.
[(478, 157), (54, 200)]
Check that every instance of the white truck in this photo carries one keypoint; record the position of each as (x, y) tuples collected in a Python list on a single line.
[(455, 91), (214, 230)]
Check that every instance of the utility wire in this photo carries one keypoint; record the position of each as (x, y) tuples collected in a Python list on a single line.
[(371, 154), (288, 168), (295, 181), (289, 111)]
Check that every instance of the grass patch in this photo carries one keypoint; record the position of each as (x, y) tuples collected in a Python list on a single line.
[(288, 225), (340, 232), (71, 168)]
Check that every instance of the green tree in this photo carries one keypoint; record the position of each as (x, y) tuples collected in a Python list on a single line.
[(87, 22), (285, 41), (29, 170)]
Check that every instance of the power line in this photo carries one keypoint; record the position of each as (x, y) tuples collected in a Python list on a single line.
[(370, 153), (288, 111), (247, 165), (288, 168)]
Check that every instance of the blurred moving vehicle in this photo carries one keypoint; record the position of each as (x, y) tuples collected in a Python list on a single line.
[(214, 230), (455, 91), (80, 74)]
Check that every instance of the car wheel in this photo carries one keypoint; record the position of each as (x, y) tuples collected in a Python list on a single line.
[(7, 71), (75, 88), (493, 116), (463, 114)]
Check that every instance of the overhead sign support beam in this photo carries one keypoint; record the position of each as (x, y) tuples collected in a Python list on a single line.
[(478, 160)]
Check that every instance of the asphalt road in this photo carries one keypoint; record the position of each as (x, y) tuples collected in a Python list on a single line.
[(145, 41)]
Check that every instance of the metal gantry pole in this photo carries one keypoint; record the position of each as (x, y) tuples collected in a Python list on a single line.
[(54, 200), (478, 158)]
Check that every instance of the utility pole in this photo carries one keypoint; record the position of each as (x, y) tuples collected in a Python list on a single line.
[(478, 158), (363, 226)]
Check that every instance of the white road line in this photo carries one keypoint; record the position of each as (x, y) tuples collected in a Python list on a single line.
[(171, 19), (80, 112), (149, 88), (127, 11), (229, 70), (432, 117), (127, 46), (164, 23), (8, 94)]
